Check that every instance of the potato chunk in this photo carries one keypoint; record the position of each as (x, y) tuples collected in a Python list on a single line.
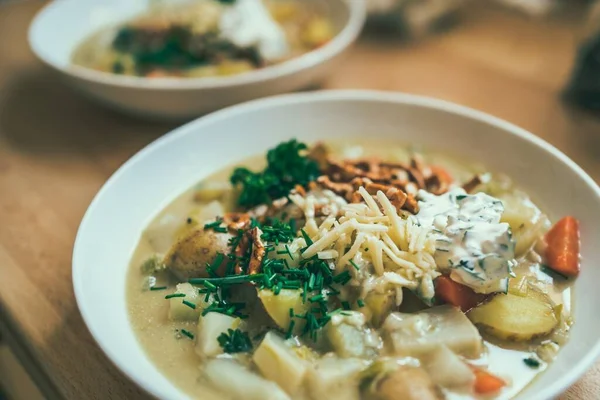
[(421, 333), (335, 378), (237, 382), (278, 306), (178, 311), (209, 329), (188, 257), (447, 370), (516, 318), (349, 337), (408, 383), (279, 363)]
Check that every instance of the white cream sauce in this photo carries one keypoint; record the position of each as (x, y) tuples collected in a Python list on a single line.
[(471, 242), (249, 23)]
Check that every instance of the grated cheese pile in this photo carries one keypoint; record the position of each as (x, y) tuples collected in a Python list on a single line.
[(382, 249)]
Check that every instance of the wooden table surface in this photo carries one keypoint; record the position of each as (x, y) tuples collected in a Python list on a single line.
[(57, 149)]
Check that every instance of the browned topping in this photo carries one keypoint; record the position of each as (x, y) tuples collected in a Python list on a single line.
[(258, 251), (473, 183), (236, 221), (300, 190), (343, 189), (240, 251), (345, 177), (319, 152)]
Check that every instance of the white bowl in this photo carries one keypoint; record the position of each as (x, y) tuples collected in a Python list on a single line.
[(61, 25), (112, 225)]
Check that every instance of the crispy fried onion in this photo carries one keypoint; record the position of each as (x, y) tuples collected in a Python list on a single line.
[(399, 181)]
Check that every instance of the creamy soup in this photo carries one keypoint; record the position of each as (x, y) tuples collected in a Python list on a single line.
[(205, 38), (353, 272)]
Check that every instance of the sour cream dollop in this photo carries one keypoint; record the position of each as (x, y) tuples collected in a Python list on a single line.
[(249, 23), (471, 242)]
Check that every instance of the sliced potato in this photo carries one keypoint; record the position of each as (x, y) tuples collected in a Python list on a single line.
[(278, 306), (516, 318), (209, 329), (279, 363)]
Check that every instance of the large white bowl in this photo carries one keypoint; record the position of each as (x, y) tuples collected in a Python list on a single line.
[(61, 25), (112, 225)]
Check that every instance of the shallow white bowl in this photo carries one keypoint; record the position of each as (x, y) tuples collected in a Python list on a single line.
[(61, 25), (112, 225)]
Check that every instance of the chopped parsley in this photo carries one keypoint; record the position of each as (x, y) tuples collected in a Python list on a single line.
[(287, 167)]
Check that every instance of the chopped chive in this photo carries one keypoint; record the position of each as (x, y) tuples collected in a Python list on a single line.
[(304, 292), (189, 304), (346, 305), (356, 267), (290, 329), (187, 333), (291, 312), (531, 362), (307, 238), (170, 296), (342, 278), (158, 287), (318, 297), (209, 285), (360, 303)]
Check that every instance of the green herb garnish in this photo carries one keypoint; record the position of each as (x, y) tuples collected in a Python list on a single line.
[(216, 226), (189, 304), (158, 287), (235, 341), (187, 333), (531, 362), (172, 295), (287, 167)]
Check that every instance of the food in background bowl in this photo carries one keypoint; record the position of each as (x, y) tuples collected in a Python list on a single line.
[(334, 272), (207, 38)]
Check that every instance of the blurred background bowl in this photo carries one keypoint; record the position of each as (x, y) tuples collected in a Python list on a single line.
[(60, 26)]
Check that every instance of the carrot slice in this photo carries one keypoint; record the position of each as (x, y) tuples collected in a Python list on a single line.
[(457, 294), (485, 382), (442, 173), (562, 251)]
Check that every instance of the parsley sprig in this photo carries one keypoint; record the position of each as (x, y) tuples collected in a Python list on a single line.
[(287, 166)]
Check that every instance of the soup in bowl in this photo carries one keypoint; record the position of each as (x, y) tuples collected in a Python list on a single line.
[(327, 266), (207, 38)]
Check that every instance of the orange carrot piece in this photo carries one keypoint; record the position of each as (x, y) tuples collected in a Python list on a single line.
[(457, 294), (485, 382), (442, 173), (562, 251)]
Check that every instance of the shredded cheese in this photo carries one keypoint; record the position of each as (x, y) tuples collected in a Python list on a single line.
[(391, 250)]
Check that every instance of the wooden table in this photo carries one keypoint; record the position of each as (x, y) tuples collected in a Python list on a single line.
[(57, 149)]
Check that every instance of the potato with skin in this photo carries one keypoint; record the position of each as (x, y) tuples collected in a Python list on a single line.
[(516, 318), (187, 258)]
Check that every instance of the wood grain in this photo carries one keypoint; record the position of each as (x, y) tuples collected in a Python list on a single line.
[(57, 149)]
